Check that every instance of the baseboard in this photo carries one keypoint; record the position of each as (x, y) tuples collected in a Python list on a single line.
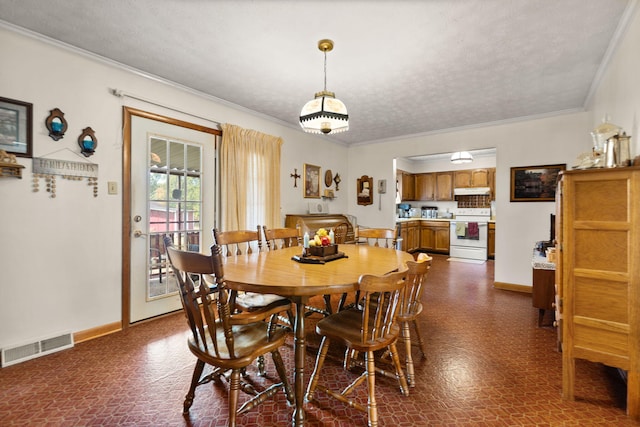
[(512, 287), (98, 331)]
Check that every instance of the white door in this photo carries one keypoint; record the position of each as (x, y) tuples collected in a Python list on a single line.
[(172, 194)]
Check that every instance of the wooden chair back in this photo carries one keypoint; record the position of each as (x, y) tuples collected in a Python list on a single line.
[(278, 238), (410, 305), (237, 242), (380, 296), (200, 308), (378, 236)]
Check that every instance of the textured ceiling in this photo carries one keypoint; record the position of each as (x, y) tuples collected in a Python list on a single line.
[(401, 67)]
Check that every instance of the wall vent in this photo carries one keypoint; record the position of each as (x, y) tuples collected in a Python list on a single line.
[(24, 352)]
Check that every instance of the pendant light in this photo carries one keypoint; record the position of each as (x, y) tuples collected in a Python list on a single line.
[(325, 113), (461, 157)]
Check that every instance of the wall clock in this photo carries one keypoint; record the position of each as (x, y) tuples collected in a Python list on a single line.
[(328, 178)]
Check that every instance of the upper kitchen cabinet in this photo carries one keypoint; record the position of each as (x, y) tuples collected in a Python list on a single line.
[(407, 185), (472, 178), (425, 186), (444, 186)]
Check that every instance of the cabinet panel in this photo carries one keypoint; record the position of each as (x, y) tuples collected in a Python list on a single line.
[(442, 239), (480, 178), (427, 238), (444, 186), (491, 240), (408, 186), (425, 186), (600, 281), (462, 179)]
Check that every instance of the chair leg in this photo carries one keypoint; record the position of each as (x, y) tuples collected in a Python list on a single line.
[(372, 406), (261, 370), (423, 348), (282, 373), (195, 380), (234, 393), (404, 387), (327, 303), (315, 375), (406, 337)]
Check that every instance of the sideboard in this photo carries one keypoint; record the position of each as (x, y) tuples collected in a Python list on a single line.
[(310, 223)]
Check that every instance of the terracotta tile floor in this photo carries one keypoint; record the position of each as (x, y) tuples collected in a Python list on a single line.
[(488, 365)]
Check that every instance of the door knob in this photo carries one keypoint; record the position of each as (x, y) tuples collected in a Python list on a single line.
[(138, 233)]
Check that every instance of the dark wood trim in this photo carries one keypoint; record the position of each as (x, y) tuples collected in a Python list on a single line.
[(127, 113)]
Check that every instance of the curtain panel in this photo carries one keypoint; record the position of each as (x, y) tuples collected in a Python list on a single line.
[(249, 179)]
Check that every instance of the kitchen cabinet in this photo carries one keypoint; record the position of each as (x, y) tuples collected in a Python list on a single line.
[(491, 240), (434, 236), (444, 186), (471, 178), (425, 186), (410, 233), (492, 183), (599, 294), (407, 186)]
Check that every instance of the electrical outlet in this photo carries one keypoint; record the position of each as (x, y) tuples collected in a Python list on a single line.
[(113, 187)]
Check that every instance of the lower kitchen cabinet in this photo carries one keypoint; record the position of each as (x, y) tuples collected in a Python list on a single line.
[(410, 234), (434, 236), (491, 240)]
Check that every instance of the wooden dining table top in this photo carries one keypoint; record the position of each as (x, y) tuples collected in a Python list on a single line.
[(276, 272)]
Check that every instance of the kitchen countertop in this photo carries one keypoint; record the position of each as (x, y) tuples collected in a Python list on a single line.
[(423, 219), (493, 221)]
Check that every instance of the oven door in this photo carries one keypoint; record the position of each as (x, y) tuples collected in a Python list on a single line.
[(468, 233), (468, 239)]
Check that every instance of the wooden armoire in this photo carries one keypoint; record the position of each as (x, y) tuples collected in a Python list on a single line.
[(599, 282)]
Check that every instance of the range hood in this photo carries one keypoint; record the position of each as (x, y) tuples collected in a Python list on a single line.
[(472, 191)]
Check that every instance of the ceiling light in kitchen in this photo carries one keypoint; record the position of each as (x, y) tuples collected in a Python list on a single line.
[(461, 157)]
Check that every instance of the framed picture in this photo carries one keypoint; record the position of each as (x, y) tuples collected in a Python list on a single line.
[(16, 127), (311, 183), (535, 183)]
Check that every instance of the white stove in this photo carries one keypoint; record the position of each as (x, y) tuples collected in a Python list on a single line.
[(468, 233)]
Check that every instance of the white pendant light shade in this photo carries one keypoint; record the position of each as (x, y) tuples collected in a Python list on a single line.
[(461, 157), (325, 113)]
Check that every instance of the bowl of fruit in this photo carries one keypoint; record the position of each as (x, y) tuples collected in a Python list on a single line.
[(322, 244)]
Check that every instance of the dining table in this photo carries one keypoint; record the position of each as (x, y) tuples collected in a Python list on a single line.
[(277, 272)]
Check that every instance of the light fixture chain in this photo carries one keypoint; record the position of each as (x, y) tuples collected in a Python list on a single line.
[(325, 70)]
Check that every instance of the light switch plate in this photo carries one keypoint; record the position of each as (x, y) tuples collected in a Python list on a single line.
[(113, 187)]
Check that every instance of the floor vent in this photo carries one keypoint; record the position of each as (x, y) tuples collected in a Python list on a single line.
[(24, 352)]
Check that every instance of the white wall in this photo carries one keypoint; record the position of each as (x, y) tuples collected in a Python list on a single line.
[(61, 258)]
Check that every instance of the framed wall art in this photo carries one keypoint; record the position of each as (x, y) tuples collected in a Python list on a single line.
[(311, 183), (535, 183), (16, 127)]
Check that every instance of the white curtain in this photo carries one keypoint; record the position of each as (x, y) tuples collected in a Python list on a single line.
[(249, 179)]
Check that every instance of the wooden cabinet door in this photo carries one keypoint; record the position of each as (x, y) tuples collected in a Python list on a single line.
[(442, 238), (491, 241), (425, 186), (427, 238), (404, 235), (408, 186), (492, 183), (479, 178), (444, 186), (413, 236), (462, 179)]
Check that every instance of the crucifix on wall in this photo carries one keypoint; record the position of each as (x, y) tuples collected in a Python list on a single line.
[(295, 177)]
